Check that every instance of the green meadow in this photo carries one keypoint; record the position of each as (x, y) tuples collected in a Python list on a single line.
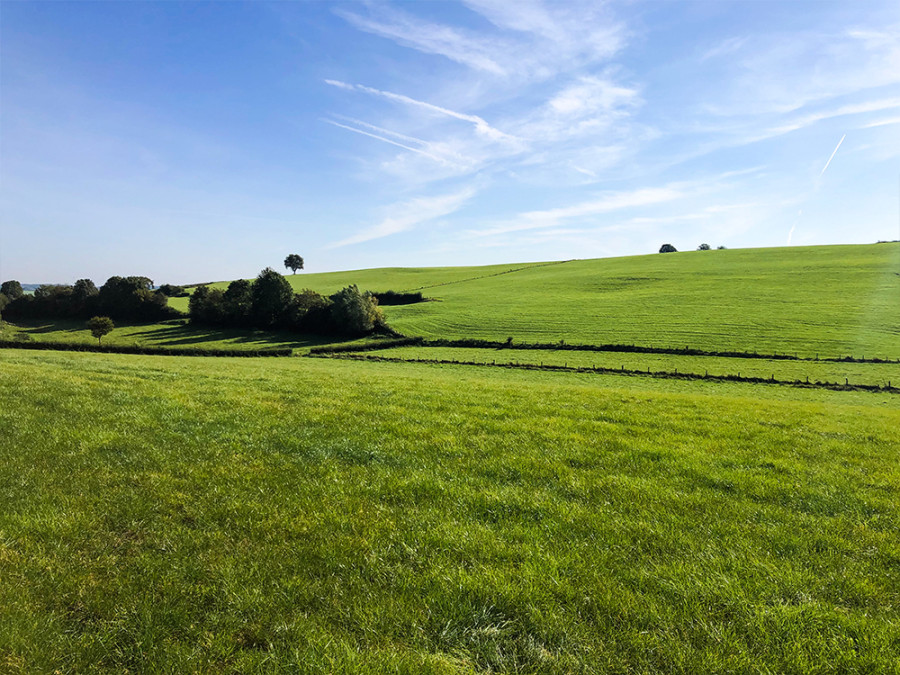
[(832, 300), (326, 515), (779, 369), (176, 333), (160, 514)]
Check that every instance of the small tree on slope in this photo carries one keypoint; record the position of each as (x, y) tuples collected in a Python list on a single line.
[(100, 326)]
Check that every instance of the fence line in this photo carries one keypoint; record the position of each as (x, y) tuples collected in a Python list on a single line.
[(834, 386)]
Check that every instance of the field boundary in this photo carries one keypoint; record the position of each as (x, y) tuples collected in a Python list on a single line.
[(474, 343), (144, 351), (672, 375)]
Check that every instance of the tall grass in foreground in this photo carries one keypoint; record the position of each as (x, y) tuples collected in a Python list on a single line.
[(171, 515)]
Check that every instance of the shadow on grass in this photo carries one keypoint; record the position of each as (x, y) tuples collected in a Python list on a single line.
[(186, 334), (40, 327), (173, 333)]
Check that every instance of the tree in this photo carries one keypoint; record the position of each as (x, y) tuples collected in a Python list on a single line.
[(100, 326), (355, 313), (271, 296), (668, 248), (293, 262), (12, 289), (703, 247), (720, 248), (238, 300)]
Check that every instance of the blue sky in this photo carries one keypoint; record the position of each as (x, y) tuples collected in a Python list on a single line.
[(202, 141)]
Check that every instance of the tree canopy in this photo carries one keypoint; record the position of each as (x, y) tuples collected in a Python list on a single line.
[(100, 326), (293, 262), (12, 289)]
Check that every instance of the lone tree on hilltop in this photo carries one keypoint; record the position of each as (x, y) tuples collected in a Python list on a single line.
[(703, 247), (668, 248), (293, 262), (100, 326)]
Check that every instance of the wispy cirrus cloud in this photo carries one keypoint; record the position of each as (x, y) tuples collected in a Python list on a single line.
[(605, 203), (535, 40), (481, 125), (406, 215)]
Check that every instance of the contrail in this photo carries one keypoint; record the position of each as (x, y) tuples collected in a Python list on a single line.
[(833, 154)]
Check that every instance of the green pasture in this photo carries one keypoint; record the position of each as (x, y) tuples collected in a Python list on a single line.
[(856, 373), (160, 514), (832, 300), (173, 334)]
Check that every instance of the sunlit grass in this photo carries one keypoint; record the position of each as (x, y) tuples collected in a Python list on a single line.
[(783, 370), (832, 300), (224, 515)]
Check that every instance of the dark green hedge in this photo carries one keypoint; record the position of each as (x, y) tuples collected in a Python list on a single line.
[(158, 351)]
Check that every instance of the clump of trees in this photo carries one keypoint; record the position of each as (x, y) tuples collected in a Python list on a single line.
[(171, 291), (668, 248), (269, 302), (127, 298)]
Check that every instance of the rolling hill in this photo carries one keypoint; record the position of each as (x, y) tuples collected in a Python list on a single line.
[(833, 300)]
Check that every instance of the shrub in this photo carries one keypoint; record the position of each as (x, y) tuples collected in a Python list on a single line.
[(386, 298), (354, 313)]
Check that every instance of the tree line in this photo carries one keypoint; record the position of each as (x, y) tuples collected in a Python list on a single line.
[(125, 298), (269, 302)]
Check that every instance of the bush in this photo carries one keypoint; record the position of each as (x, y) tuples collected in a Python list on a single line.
[(387, 298), (171, 291), (354, 313)]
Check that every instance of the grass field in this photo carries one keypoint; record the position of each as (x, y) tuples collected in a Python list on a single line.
[(224, 515), (827, 300), (161, 514), (174, 333), (833, 300), (856, 373)]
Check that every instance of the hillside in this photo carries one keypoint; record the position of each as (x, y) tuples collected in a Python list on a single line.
[(833, 300)]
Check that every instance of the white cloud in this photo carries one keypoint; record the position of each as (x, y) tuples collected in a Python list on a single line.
[(387, 140), (407, 215), (430, 38), (607, 203), (535, 40), (480, 124)]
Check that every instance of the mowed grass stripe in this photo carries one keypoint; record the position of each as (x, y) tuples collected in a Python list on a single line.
[(160, 514)]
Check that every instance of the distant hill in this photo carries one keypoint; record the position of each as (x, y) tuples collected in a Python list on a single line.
[(832, 300)]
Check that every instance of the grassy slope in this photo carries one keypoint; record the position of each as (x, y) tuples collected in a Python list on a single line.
[(828, 299), (831, 300), (172, 334), (159, 514)]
